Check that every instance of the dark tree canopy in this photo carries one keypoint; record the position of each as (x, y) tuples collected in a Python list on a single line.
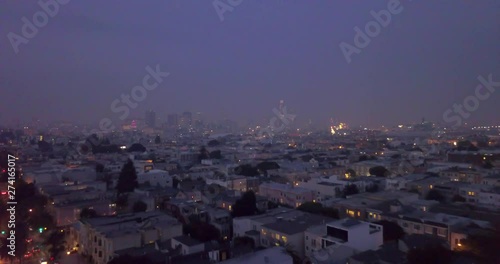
[(44, 146), (372, 188), (55, 242), (126, 259), (317, 208), (213, 143), (434, 195), (246, 205), (392, 231), (204, 154), (202, 231), (122, 201), (458, 198), (175, 182), (88, 213), (484, 245), (139, 206), (216, 154), (350, 189), (99, 168), (466, 145), (351, 172), (430, 255), (379, 171), (246, 170), (157, 140), (137, 147), (267, 165), (488, 165), (127, 181)]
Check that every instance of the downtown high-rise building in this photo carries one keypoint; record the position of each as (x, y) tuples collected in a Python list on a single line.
[(150, 118), (173, 121), (186, 119)]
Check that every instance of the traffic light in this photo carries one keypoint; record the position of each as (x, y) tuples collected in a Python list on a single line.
[(3, 232), (40, 230)]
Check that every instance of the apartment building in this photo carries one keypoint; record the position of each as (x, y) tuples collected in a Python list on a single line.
[(101, 237), (341, 239), (155, 178), (438, 225), (286, 194), (278, 227)]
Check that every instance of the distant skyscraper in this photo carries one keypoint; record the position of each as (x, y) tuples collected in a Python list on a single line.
[(186, 119), (150, 118), (173, 121)]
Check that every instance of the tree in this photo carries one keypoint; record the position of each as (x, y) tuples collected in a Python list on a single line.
[(372, 188), (458, 198), (306, 158), (44, 146), (488, 165), (434, 195), (363, 158), (246, 170), (139, 206), (122, 201), (55, 242), (466, 145), (317, 208), (379, 171), (267, 165), (88, 213), (216, 154), (204, 154), (127, 259), (213, 143), (350, 189), (484, 245), (430, 254), (175, 182), (392, 231), (127, 181), (246, 205), (202, 231), (244, 241), (351, 173), (99, 168), (396, 156), (136, 147), (157, 140)]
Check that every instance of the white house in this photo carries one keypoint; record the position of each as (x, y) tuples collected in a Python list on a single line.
[(156, 178)]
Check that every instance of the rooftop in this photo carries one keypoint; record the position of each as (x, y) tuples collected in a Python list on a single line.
[(187, 240)]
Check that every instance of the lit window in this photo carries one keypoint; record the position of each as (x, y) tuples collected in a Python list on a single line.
[(278, 236), (284, 239)]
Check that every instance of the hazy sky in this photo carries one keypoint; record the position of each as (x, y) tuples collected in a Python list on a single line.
[(427, 58)]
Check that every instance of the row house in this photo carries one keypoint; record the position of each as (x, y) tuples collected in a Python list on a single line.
[(286, 194), (472, 176), (101, 237), (481, 195), (438, 225)]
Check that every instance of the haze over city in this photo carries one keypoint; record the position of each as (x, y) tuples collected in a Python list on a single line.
[(91, 52), (249, 131)]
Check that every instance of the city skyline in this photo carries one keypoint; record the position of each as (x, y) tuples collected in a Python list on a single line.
[(89, 54)]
